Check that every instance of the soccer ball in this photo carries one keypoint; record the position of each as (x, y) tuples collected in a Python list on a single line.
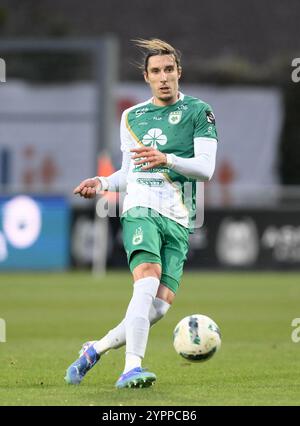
[(196, 338)]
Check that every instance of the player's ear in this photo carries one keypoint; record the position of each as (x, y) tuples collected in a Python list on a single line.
[(146, 77), (179, 72)]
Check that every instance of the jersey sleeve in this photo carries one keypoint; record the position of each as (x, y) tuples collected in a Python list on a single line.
[(126, 140), (202, 166), (204, 122), (118, 180)]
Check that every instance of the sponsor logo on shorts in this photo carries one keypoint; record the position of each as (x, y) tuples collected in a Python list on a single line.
[(138, 236)]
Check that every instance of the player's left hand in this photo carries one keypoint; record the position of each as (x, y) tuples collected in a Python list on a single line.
[(146, 154)]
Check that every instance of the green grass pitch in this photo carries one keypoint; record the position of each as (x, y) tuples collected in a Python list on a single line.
[(49, 316)]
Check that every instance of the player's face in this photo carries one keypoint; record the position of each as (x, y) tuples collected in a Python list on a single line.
[(163, 75)]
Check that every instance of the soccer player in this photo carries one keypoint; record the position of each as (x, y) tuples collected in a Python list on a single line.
[(167, 142)]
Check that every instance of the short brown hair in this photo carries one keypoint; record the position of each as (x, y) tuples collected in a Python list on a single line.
[(154, 47)]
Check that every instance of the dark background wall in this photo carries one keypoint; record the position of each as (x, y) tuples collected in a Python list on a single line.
[(260, 32)]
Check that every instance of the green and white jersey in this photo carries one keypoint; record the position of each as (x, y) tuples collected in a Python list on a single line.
[(170, 129)]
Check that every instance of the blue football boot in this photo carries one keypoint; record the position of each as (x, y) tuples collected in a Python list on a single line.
[(136, 378), (88, 358)]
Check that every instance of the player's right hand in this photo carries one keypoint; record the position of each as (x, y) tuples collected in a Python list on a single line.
[(88, 188)]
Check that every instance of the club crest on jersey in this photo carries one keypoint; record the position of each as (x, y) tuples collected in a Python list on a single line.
[(175, 117), (137, 236)]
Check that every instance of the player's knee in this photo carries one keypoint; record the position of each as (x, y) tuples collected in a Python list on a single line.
[(145, 270), (165, 294)]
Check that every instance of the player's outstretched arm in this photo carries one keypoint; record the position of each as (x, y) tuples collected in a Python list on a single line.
[(116, 182), (88, 188)]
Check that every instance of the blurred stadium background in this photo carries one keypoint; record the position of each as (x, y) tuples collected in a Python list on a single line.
[(71, 71)]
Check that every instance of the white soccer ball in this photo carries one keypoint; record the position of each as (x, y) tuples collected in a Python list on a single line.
[(196, 338)]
